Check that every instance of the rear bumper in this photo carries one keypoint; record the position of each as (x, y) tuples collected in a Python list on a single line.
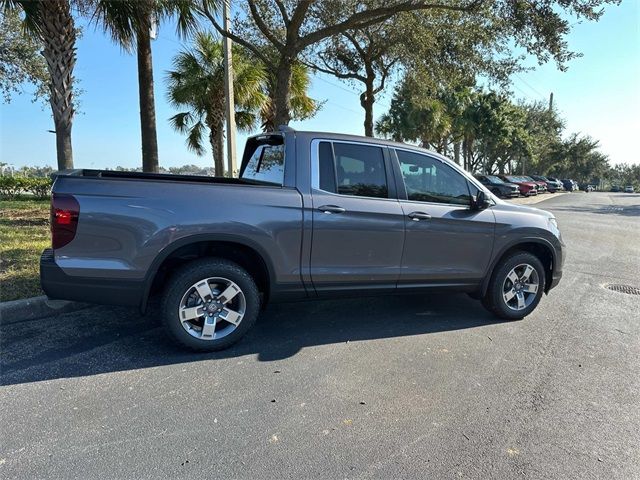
[(60, 286)]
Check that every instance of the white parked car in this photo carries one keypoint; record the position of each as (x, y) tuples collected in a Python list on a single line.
[(628, 189)]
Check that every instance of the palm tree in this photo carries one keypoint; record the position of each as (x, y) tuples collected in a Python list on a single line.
[(197, 82), (52, 23), (129, 22)]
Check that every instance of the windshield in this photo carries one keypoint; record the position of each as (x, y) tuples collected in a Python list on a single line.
[(494, 179)]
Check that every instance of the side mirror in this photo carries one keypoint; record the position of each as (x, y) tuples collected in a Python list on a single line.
[(479, 201)]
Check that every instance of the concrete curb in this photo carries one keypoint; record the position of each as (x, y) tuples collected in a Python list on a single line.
[(536, 199), (35, 307)]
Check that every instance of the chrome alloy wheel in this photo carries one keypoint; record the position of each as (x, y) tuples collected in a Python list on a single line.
[(520, 287), (212, 308)]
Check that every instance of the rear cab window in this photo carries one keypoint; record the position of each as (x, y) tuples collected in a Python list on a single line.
[(263, 161)]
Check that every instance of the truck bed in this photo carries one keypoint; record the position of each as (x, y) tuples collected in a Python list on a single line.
[(168, 177)]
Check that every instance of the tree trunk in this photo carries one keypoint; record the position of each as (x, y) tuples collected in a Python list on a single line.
[(219, 151), (456, 152), (367, 99), (59, 37), (147, 102), (282, 92)]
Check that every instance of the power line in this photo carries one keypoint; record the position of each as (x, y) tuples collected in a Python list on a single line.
[(530, 87), (348, 90)]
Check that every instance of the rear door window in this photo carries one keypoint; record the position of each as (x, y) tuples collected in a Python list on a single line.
[(352, 169)]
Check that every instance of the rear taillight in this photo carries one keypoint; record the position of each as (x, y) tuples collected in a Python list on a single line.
[(65, 210)]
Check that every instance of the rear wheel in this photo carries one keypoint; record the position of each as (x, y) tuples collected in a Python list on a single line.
[(210, 304), (516, 286)]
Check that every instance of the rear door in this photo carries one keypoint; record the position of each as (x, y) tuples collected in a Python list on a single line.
[(446, 242), (358, 224)]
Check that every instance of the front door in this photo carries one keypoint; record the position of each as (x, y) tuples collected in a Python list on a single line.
[(446, 242), (358, 230)]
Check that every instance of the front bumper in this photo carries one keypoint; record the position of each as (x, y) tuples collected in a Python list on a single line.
[(556, 273), (101, 290)]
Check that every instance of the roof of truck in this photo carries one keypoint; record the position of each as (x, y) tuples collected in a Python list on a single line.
[(352, 138)]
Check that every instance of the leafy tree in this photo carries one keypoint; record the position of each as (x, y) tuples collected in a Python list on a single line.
[(197, 82), (624, 174), (366, 55), (491, 128), (292, 26), (545, 127), (20, 59), (289, 27), (51, 22), (578, 157), (129, 23)]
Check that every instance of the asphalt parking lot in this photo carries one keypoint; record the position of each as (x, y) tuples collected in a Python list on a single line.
[(391, 387)]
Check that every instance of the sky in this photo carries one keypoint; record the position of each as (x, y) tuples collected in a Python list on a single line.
[(599, 95)]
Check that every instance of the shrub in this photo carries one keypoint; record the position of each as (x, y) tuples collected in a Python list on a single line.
[(11, 187), (38, 186)]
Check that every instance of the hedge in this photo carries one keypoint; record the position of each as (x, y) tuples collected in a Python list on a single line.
[(11, 187)]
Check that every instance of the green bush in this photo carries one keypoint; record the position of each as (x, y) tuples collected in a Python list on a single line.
[(12, 187), (38, 186)]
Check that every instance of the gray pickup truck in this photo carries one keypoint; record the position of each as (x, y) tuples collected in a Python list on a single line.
[(311, 215)]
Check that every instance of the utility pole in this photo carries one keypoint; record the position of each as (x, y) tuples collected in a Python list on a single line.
[(230, 109), (551, 101)]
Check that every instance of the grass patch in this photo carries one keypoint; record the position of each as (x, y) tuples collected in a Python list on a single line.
[(24, 233)]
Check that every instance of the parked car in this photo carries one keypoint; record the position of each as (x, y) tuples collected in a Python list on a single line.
[(526, 188), (542, 186), (616, 188), (569, 185), (499, 187), (629, 189), (551, 185), (557, 182), (586, 187), (312, 215)]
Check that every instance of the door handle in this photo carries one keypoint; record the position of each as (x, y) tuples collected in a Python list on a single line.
[(331, 209), (417, 216)]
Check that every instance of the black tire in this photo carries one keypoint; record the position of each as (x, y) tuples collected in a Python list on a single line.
[(182, 280), (494, 300)]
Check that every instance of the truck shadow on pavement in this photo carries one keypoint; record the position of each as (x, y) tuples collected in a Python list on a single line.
[(110, 339)]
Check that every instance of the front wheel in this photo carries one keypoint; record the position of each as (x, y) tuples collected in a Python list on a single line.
[(210, 304), (515, 287)]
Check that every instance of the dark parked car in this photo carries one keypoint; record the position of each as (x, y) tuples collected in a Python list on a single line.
[(569, 185), (526, 188), (616, 188), (557, 182), (499, 187), (312, 215), (552, 186)]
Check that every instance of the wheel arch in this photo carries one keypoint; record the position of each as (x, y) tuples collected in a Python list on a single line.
[(240, 250), (541, 248)]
